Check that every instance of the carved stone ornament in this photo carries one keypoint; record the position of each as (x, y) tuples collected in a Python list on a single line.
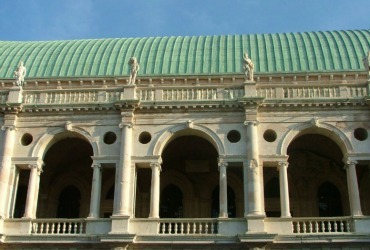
[(189, 124), (134, 68), (68, 126), (20, 74), (315, 122)]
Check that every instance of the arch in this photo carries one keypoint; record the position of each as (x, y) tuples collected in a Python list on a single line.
[(56, 134), (329, 200), (321, 128), (188, 129)]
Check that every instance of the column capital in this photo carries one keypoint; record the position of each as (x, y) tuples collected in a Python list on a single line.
[(222, 164), (8, 127), (125, 124), (248, 123), (350, 163), (37, 167), (282, 164), (96, 165), (154, 165), (127, 114)]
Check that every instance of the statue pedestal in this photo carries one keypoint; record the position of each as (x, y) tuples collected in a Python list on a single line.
[(250, 89), (15, 95)]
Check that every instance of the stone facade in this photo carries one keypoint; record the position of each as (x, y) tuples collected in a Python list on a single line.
[(185, 161)]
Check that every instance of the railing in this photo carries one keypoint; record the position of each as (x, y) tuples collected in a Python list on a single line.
[(71, 97), (58, 226), (322, 225), (187, 227), (311, 92)]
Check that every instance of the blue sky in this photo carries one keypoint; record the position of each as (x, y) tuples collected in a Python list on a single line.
[(82, 19)]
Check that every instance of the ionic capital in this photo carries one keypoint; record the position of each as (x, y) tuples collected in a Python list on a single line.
[(36, 167), (96, 165), (125, 125), (156, 165), (282, 164), (251, 123), (8, 127), (222, 164), (350, 163)]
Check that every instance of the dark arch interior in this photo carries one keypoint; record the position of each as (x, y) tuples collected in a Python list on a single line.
[(171, 202), (69, 203), (329, 200)]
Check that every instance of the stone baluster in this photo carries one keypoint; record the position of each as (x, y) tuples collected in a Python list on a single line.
[(284, 189), (223, 190), (155, 190), (353, 193), (32, 192), (95, 191)]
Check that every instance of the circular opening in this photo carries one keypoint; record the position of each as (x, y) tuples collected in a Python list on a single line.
[(145, 137), (269, 135), (110, 137), (26, 139), (233, 136), (360, 134)]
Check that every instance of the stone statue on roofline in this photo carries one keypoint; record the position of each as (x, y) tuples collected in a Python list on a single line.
[(19, 74), (366, 61), (134, 68), (248, 67)]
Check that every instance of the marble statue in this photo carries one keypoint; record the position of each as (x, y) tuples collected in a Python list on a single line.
[(366, 61), (19, 74), (248, 67), (134, 68)]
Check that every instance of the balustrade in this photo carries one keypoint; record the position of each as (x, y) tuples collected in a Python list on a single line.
[(321, 225), (68, 226), (187, 227)]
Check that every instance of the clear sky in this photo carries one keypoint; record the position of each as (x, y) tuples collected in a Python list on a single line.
[(82, 19)]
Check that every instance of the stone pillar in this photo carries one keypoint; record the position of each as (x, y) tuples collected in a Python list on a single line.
[(5, 167), (122, 206), (353, 193), (155, 190), (95, 191), (32, 193), (223, 190), (254, 197), (284, 189)]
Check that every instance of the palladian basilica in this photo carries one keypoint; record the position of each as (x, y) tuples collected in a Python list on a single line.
[(256, 141)]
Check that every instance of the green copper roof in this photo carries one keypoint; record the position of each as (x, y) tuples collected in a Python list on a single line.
[(286, 52)]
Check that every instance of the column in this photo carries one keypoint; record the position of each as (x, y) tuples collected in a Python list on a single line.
[(95, 191), (122, 189), (284, 189), (353, 193), (223, 190), (252, 182), (155, 190), (32, 193), (5, 167)]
